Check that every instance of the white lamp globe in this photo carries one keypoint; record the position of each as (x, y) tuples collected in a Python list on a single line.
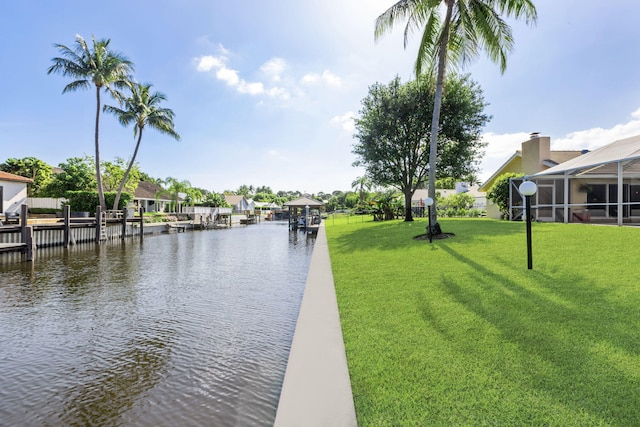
[(528, 188), (428, 201)]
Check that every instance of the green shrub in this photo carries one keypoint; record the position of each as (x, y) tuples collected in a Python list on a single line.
[(43, 211), (87, 201)]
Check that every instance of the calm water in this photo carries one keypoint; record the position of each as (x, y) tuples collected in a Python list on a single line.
[(182, 329)]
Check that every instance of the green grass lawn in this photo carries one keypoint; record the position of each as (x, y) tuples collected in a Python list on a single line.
[(459, 332)]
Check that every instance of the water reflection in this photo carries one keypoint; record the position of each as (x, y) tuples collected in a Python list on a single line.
[(183, 329)]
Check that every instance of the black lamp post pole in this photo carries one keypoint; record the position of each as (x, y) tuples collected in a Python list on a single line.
[(430, 230), (529, 256)]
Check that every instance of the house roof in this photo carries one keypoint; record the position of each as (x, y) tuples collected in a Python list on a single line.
[(303, 202), (234, 199), (149, 190), (500, 170), (6, 176), (622, 149), (556, 158)]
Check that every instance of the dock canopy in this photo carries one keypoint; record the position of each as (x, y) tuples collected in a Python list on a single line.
[(298, 214), (304, 202)]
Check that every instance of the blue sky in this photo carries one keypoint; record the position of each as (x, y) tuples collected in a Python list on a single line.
[(263, 91)]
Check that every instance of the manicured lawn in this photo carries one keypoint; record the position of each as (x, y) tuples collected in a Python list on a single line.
[(459, 332)]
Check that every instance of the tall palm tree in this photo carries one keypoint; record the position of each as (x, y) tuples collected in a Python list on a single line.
[(142, 108), (99, 66), (467, 27)]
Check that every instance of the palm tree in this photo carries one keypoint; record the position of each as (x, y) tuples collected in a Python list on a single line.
[(468, 26), (99, 66), (175, 187), (142, 108), (362, 183)]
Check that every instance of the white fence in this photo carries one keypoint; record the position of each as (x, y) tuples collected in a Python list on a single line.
[(204, 210), (45, 202)]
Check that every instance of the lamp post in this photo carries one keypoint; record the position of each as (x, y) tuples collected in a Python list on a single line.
[(306, 217), (429, 202), (528, 189)]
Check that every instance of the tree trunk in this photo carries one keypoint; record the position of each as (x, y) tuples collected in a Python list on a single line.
[(435, 121), (103, 204), (126, 173), (408, 213)]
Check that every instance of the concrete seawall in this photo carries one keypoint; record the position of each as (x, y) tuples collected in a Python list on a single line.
[(317, 390)]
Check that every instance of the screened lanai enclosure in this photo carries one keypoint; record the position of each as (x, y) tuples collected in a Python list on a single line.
[(601, 186)]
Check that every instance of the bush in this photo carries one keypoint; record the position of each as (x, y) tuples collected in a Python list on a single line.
[(499, 192), (37, 211), (87, 201)]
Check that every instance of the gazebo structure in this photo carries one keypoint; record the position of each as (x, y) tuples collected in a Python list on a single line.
[(304, 213), (601, 186)]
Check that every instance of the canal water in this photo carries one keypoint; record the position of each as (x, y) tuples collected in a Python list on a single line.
[(186, 329)]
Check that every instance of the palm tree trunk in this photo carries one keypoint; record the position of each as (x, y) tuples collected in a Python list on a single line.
[(103, 204), (435, 121), (126, 173)]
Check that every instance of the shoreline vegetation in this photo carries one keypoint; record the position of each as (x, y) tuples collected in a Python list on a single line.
[(459, 332)]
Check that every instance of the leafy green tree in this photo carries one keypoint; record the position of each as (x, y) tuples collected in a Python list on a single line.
[(98, 66), (245, 190), (456, 204), (145, 177), (114, 174), (76, 175), (142, 107), (499, 192), (30, 167), (468, 26), (264, 189), (446, 183), (394, 125), (215, 200)]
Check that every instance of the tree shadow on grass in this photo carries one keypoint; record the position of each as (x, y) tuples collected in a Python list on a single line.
[(574, 342), (396, 234)]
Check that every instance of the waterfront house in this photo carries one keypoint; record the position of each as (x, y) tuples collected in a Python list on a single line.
[(601, 186), (13, 192), (240, 204), (535, 156), (151, 197)]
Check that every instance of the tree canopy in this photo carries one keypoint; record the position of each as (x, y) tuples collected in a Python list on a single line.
[(30, 167), (76, 175), (394, 126)]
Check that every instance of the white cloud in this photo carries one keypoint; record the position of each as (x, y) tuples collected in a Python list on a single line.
[(208, 62), (274, 68), (591, 139), (228, 75), (279, 92), (331, 79), (218, 64), (255, 88), (310, 78), (345, 121), (326, 77)]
